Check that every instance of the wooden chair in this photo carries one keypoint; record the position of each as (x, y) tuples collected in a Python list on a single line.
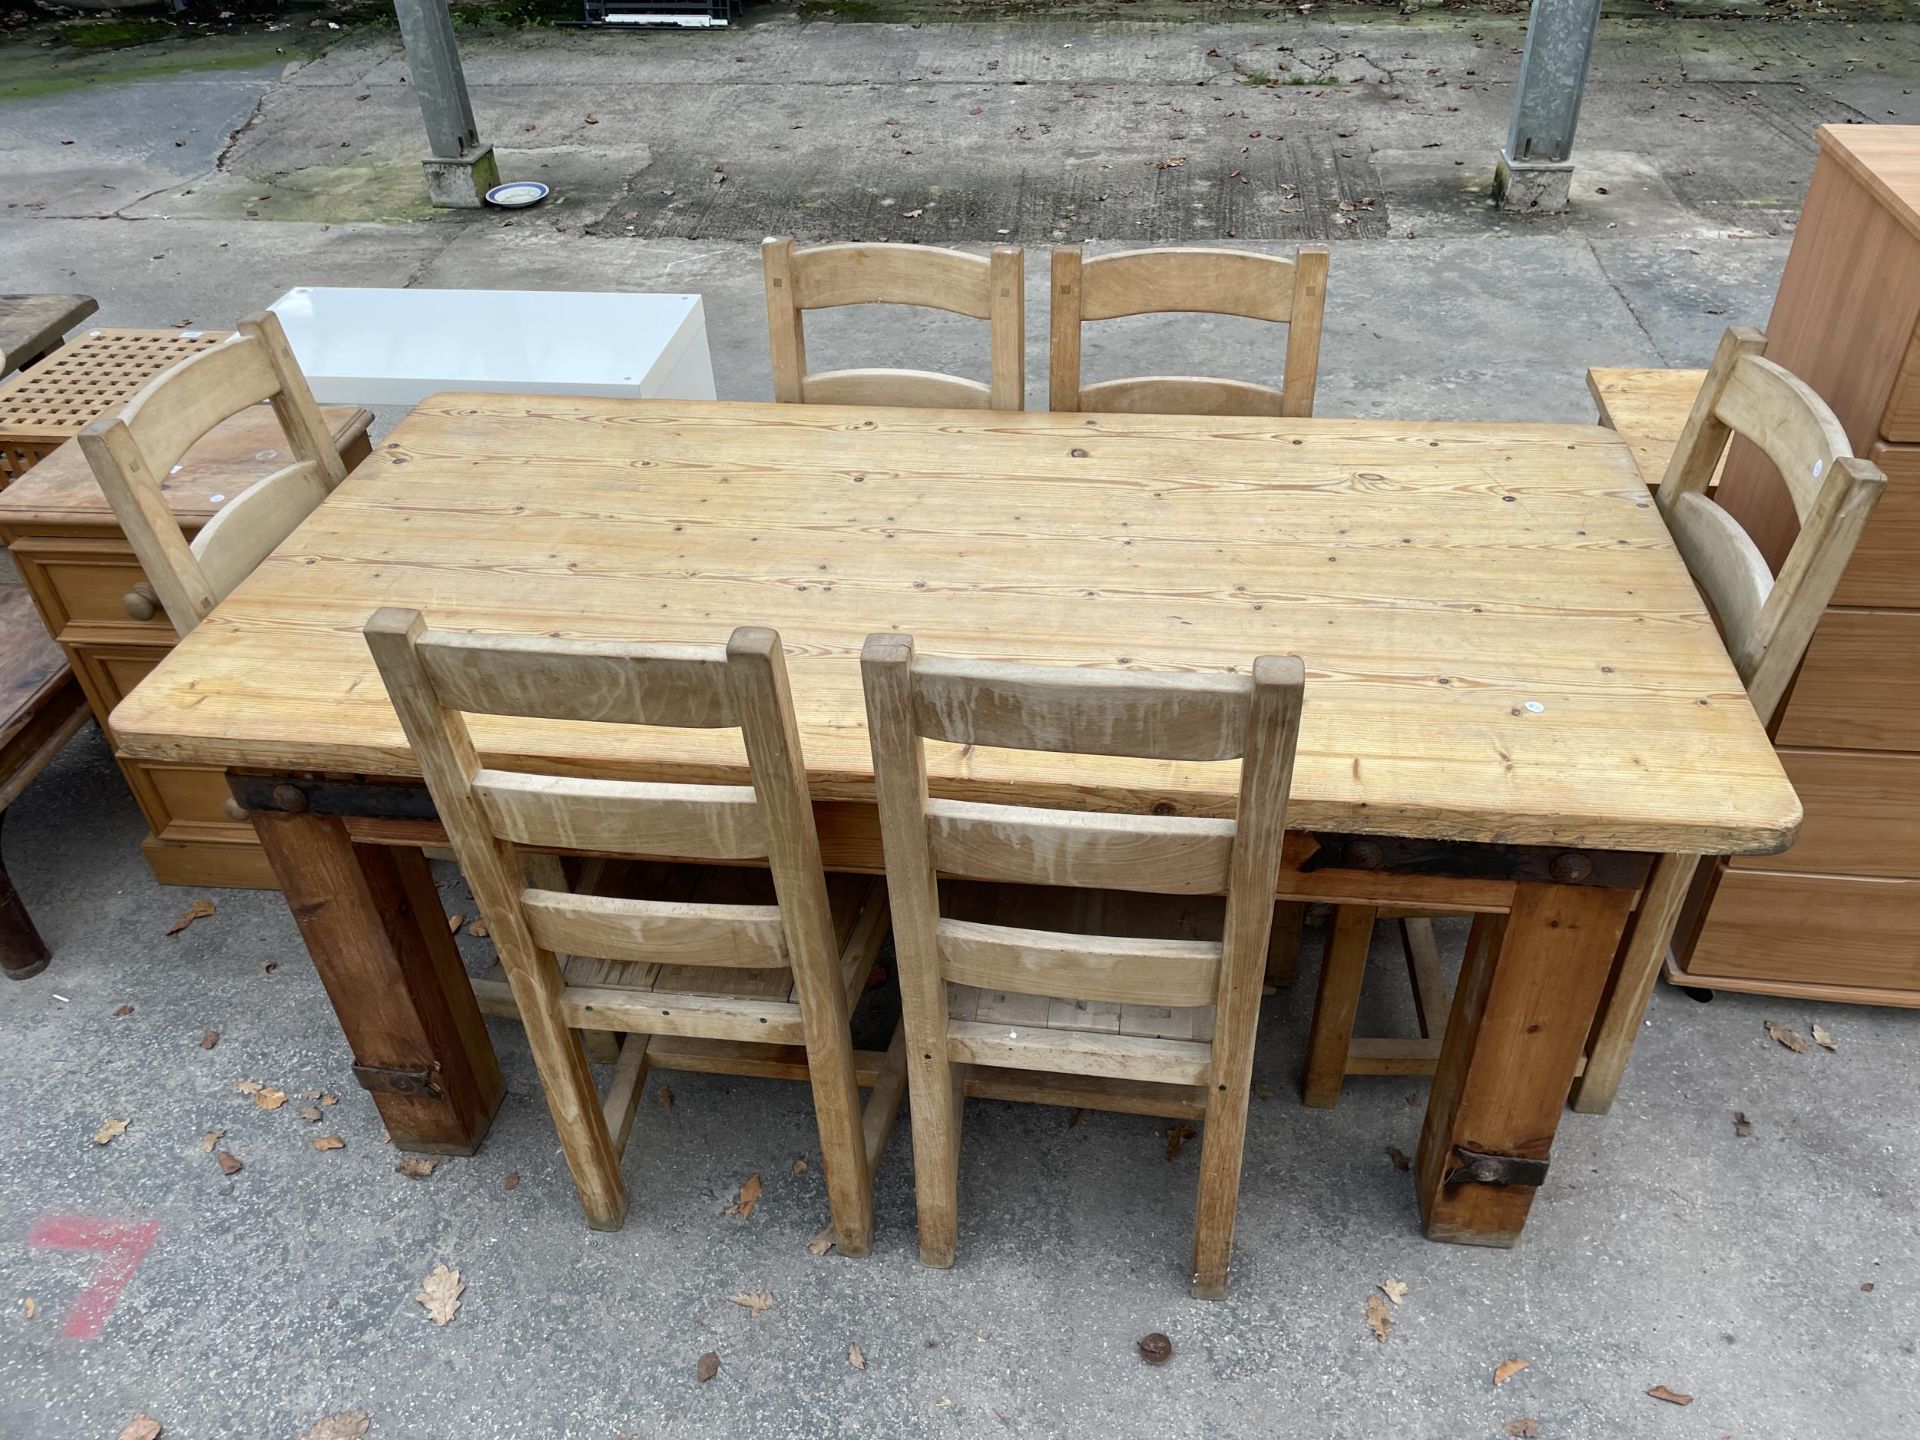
[(700, 965), (1191, 280), (951, 968), (991, 289), (1765, 620), (133, 452)]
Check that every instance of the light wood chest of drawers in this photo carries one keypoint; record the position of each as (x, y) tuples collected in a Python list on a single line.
[(1838, 915), (69, 550)]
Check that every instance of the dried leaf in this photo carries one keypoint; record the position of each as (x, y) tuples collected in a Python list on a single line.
[(329, 1099), (1155, 1349), (1822, 1036), (123, 1010), (1525, 1428), (229, 1164), (1172, 162), (199, 910), (665, 1098), (974, 111), (1672, 1397), (911, 214), (856, 1357), (248, 1087), (141, 1427), (1866, 1287), (706, 1367), (1742, 1126), (756, 1305), (439, 1293), (821, 1243), (310, 1113), (110, 1131), (1177, 1136), (799, 1167), (347, 1425), (1401, 1160), (478, 930), (749, 1197), (454, 922), (419, 1167), (31, 1306), (270, 1099), (209, 1140), (1378, 1320), (209, 1039), (329, 1142), (1394, 1290), (1507, 1369), (512, 1182), (593, 120), (1792, 1039)]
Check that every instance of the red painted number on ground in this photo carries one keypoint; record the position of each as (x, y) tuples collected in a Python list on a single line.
[(121, 1246)]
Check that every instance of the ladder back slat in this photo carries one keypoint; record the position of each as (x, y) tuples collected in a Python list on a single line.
[(1119, 969), (1181, 395), (666, 932), (178, 406), (1781, 414), (543, 678), (826, 276), (255, 522), (623, 817), (1160, 854), (926, 388), (1084, 712), (1079, 1052), (1189, 279)]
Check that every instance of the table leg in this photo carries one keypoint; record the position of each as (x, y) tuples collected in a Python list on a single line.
[(1521, 1013), (372, 921), (23, 954)]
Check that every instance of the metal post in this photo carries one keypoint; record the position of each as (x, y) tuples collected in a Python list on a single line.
[(460, 170), (1536, 170)]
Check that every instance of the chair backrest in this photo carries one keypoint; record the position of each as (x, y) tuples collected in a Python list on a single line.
[(1191, 280), (132, 452), (990, 288), (436, 678), (1196, 717), (1766, 619)]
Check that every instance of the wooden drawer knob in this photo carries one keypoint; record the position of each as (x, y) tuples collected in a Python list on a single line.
[(140, 603)]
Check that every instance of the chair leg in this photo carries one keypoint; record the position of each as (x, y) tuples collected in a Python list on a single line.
[(624, 1090), (1629, 989), (937, 1088), (1223, 1145), (1336, 1003), (843, 1147), (561, 1059), (1430, 1000), (23, 954), (1283, 944)]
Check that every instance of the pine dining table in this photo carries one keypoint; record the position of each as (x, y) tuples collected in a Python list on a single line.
[(1515, 698)]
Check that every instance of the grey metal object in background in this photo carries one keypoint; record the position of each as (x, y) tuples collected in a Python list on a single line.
[(460, 170), (1536, 167)]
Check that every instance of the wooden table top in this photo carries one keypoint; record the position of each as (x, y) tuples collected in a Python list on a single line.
[(1649, 408), (1501, 642), (60, 494)]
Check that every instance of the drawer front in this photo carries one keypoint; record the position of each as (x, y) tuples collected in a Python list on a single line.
[(1814, 929), (79, 584), (1859, 687), (1863, 815), (1883, 569), (182, 802), (1901, 419), (109, 673)]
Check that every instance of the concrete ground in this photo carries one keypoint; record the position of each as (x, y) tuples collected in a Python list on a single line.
[(1772, 1276)]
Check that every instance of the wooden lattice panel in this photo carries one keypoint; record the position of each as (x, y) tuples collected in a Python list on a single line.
[(47, 405)]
